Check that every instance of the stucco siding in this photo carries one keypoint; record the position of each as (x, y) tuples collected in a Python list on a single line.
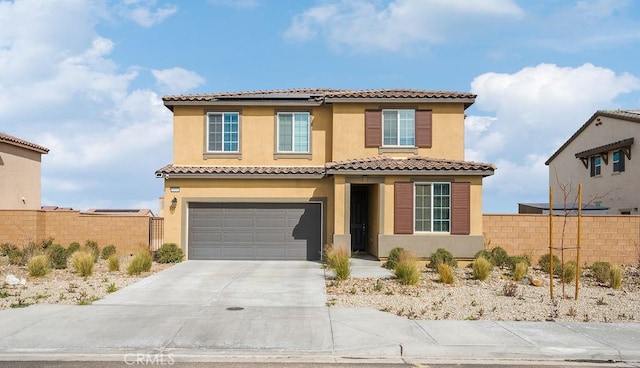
[(19, 178)]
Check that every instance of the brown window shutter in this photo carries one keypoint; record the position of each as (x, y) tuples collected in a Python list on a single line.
[(460, 208), (373, 128), (423, 128), (403, 208)]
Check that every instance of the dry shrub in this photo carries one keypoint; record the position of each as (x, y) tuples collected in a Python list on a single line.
[(615, 277), (337, 259), (114, 263), (406, 269), (482, 268), (520, 271), (601, 271), (38, 265), (446, 274), (140, 263), (569, 271), (82, 262)]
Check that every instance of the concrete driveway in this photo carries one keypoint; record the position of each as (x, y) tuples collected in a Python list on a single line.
[(228, 284)]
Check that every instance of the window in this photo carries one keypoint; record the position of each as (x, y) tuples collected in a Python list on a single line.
[(432, 207), (222, 131), (398, 128), (293, 132), (618, 161), (596, 165)]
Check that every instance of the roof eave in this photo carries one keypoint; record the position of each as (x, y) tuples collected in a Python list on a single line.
[(466, 100), (483, 173), (237, 176), (277, 102)]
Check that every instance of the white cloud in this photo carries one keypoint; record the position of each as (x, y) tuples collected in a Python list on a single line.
[(534, 111), (145, 12), (177, 80), (397, 25)]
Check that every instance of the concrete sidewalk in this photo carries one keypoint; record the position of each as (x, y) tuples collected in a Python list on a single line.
[(231, 314)]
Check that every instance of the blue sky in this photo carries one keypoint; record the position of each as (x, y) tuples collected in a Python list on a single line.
[(85, 78)]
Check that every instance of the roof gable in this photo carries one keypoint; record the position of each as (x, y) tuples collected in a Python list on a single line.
[(626, 115)]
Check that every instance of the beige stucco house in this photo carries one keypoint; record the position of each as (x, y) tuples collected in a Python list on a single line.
[(600, 156), (278, 174), (20, 183)]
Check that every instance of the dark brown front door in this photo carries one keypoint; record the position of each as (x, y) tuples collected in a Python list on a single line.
[(359, 217)]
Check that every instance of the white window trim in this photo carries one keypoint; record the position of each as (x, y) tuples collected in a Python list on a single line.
[(431, 183), (398, 145), (293, 132), (597, 164), (207, 133)]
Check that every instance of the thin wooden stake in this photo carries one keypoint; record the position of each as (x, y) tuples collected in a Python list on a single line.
[(579, 236), (551, 242)]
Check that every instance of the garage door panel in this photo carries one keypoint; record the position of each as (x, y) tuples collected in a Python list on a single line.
[(255, 231)]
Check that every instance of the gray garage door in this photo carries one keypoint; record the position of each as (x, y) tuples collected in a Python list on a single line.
[(259, 231)]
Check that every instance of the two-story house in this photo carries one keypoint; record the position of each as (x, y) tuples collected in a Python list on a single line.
[(278, 174), (20, 170), (599, 156)]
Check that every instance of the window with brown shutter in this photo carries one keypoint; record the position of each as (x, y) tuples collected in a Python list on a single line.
[(372, 128), (403, 208), (423, 128), (460, 208)]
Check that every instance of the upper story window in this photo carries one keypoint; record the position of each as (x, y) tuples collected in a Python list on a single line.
[(432, 207), (596, 165), (223, 131), (618, 161), (398, 128), (293, 132)]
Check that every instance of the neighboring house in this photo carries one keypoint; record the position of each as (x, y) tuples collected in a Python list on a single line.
[(602, 157), (278, 174), (20, 182), (121, 211), (561, 209)]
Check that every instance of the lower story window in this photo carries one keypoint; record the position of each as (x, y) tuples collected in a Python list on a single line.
[(432, 207)]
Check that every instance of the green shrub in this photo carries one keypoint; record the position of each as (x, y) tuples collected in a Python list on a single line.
[(141, 262), (108, 251), (337, 259), (58, 256), (601, 271), (393, 258), (82, 262), (38, 265), (112, 288), (441, 256), (406, 269), (481, 268), (544, 263), (114, 263), (16, 257), (5, 248), (486, 254), (499, 257), (73, 247), (570, 269), (615, 277), (93, 248), (445, 271), (30, 250), (520, 271), (170, 253), (46, 243), (513, 261)]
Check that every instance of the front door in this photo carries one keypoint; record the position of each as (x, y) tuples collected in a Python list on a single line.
[(359, 217)]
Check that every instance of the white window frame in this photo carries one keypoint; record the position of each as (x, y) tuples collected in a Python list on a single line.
[(398, 137), (293, 131), (616, 162), (597, 165), (431, 184), (208, 124)]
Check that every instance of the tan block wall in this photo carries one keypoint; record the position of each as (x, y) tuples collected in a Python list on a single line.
[(127, 233), (604, 238)]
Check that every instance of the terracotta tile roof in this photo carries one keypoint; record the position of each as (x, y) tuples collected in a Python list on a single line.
[(631, 115), (413, 164), (320, 93), (5, 138), (240, 170)]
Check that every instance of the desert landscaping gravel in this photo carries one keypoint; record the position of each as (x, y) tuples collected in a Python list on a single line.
[(470, 299), (64, 286)]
